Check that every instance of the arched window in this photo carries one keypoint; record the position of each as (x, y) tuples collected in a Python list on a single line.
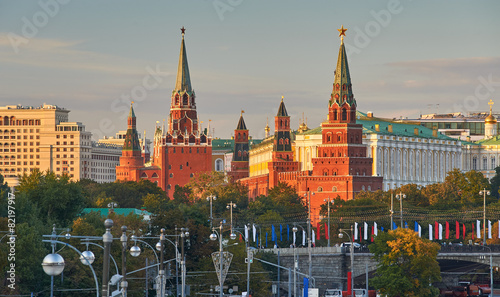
[(335, 115), (369, 188), (344, 114), (320, 189), (171, 175), (144, 175), (169, 187), (185, 99), (219, 164), (334, 189), (474, 163), (154, 175)]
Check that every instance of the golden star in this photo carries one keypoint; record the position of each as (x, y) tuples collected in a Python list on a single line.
[(341, 31)]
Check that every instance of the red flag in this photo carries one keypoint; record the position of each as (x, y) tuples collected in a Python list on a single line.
[(436, 224), (327, 232), (373, 232), (472, 230), (241, 238), (360, 237), (463, 231), (349, 282), (447, 234), (318, 232), (457, 231)]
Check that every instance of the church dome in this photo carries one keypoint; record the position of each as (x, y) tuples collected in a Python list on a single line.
[(490, 119)]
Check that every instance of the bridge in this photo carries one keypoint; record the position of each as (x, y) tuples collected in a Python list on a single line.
[(331, 264)]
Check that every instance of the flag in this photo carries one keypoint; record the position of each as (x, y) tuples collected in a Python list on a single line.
[(246, 232), (382, 229), (436, 230), (394, 226), (318, 234), (472, 230), (430, 231), (365, 231), (266, 239), (373, 232), (327, 232), (457, 230), (273, 234), (440, 231), (489, 229), (313, 236), (406, 225), (359, 233), (288, 233), (416, 226), (294, 238), (447, 234), (303, 238), (463, 231), (355, 231), (419, 231), (375, 227), (254, 232), (498, 228), (478, 228), (281, 231)]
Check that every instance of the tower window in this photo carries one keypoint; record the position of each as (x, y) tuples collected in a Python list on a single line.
[(219, 165), (344, 114)]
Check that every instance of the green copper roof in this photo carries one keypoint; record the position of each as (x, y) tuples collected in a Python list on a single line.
[(183, 82), (489, 141), (241, 124), (119, 211), (228, 144), (282, 110), (131, 113), (342, 87)]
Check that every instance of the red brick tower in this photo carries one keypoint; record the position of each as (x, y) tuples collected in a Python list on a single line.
[(183, 150), (239, 164), (282, 147), (342, 154), (131, 158)]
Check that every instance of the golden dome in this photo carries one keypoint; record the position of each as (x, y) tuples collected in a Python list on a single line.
[(490, 119)]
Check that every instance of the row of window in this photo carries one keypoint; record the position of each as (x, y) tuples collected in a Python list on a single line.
[(11, 121), (190, 151), (19, 137), (485, 163), (19, 163)]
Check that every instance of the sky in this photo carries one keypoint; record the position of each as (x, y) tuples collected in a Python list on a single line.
[(91, 57)]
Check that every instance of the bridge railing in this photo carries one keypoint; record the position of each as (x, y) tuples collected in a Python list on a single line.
[(469, 249)]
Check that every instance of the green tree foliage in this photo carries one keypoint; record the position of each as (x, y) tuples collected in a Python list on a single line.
[(495, 183), (4, 191), (407, 264), (58, 199)]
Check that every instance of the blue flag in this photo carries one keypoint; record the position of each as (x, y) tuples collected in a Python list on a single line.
[(394, 226), (287, 232), (416, 226), (281, 231), (273, 233), (382, 229), (406, 225), (266, 239)]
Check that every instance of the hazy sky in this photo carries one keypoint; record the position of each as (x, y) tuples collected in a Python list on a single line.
[(92, 57)]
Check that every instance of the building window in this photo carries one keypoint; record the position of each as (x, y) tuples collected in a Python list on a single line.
[(171, 175), (180, 167), (169, 187), (191, 175), (493, 163), (485, 163), (334, 189), (474, 163), (219, 165), (320, 189)]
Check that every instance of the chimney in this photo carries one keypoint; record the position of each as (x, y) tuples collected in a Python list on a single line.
[(434, 131), (377, 127), (389, 128), (415, 131), (369, 114)]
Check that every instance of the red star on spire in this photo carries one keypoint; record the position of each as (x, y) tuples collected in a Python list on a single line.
[(183, 30)]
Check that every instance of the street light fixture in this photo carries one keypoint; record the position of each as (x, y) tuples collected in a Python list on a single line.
[(400, 197), (213, 237), (308, 195), (211, 198), (184, 234), (230, 206), (341, 235), (484, 192), (295, 262), (328, 231)]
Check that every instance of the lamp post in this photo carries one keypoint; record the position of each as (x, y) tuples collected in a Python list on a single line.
[(401, 196), (491, 269), (123, 240), (107, 239), (341, 234), (230, 206), (392, 211), (161, 273), (184, 234), (295, 263), (213, 236), (211, 198), (309, 231), (328, 231), (484, 192)]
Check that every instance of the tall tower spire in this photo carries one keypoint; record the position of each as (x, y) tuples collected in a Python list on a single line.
[(131, 138), (183, 117), (342, 105)]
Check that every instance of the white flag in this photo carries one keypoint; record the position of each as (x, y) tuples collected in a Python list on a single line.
[(355, 231), (246, 233), (303, 238), (419, 231), (440, 231), (294, 238), (430, 231), (375, 230), (365, 235), (498, 228), (478, 228), (489, 229), (313, 236), (254, 232)]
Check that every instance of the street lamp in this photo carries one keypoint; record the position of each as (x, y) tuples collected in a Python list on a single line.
[(295, 263), (230, 206), (400, 197), (123, 240), (491, 269), (328, 231), (211, 198), (213, 237), (184, 233), (308, 194), (484, 192), (107, 239), (341, 235), (249, 258)]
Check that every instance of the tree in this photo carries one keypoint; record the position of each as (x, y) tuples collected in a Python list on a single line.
[(495, 183), (407, 264)]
